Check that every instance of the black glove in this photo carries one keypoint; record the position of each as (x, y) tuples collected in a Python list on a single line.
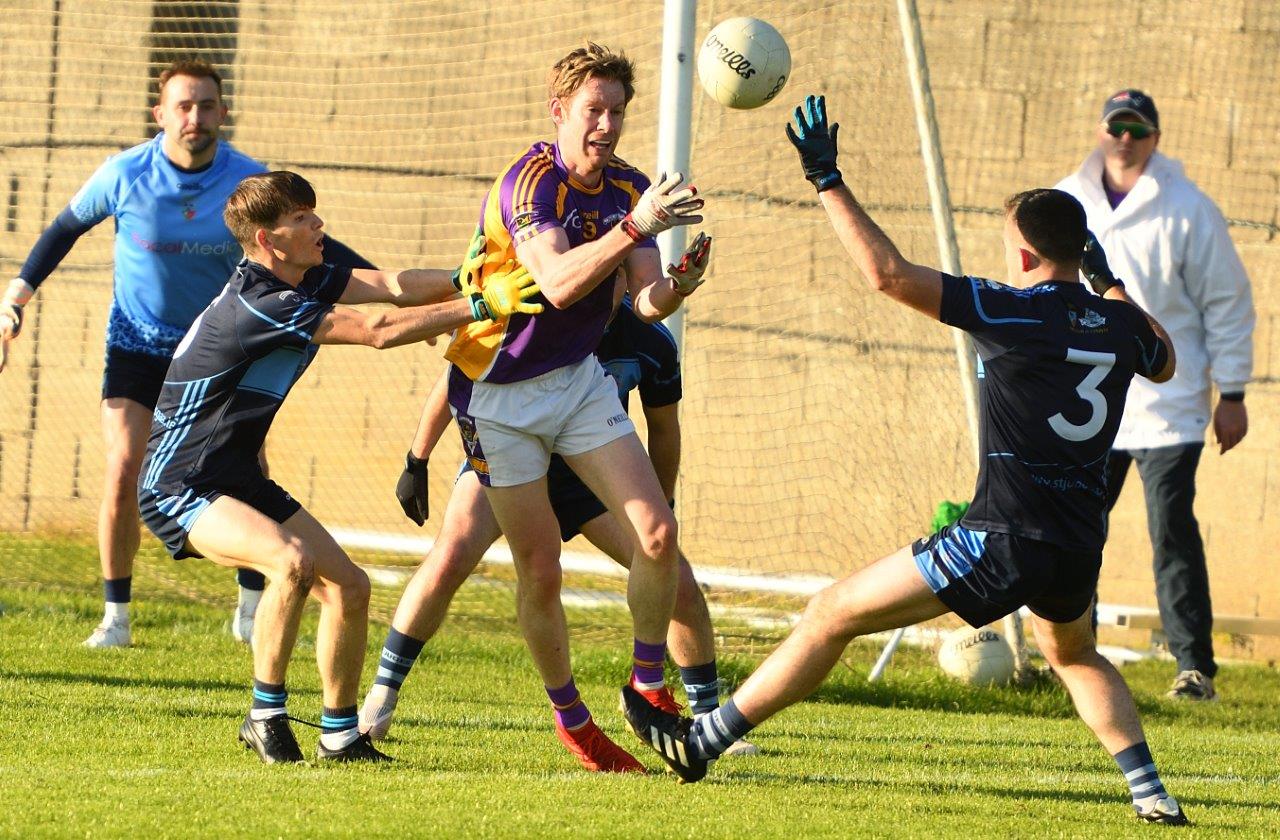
[(411, 489), (1093, 265), (816, 145)]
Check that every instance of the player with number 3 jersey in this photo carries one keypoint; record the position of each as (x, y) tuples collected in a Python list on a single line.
[(1056, 365)]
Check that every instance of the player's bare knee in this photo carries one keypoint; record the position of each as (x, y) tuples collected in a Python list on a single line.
[(540, 583), (354, 590), (659, 541), (826, 615), (294, 567)]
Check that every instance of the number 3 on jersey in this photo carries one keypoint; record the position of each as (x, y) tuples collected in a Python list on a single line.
[(1088, 391)]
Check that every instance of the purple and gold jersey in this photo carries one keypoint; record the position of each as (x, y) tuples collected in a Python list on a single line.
[(535, 193)]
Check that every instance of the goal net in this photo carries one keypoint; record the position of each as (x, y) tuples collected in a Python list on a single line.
[(821, 425)]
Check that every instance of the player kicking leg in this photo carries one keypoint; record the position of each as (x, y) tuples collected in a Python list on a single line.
[(468, 530), (1051, 401)]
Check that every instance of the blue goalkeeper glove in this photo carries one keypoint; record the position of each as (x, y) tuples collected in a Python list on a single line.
[(1093, 265), (815, 143)]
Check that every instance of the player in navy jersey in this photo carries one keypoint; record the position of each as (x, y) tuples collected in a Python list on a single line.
[(202, 490), (1056, 365), (172, 255), (637, 356)]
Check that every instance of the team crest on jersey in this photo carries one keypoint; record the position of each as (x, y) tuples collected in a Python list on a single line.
[(1089, 321), (188, 210)]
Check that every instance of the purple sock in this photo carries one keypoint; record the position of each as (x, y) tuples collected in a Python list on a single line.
[(571, 712), (647, 662)]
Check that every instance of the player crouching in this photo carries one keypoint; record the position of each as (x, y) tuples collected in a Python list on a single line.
[(202, 490)]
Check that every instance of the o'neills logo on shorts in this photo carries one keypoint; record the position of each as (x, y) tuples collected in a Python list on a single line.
[(617, 419), (200, 249)]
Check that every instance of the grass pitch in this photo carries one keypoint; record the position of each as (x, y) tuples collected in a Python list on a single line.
[(141, 742)]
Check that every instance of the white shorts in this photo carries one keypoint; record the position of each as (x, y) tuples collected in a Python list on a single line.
[(510, 430)]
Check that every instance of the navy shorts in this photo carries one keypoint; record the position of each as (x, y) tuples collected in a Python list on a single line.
[(134, 376), (983, 576), (572, 502), (171, 518)]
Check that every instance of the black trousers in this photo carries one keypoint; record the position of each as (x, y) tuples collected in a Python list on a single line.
[(1168, 476)]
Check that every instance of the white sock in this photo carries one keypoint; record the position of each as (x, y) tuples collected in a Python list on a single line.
[(340, 739), (264, 714), (248, 600), (115, 613)]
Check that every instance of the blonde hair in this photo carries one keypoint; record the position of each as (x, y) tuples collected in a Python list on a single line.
[(260, 200), (590, 61)]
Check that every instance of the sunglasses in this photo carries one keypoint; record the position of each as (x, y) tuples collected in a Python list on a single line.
[(1138, 131)]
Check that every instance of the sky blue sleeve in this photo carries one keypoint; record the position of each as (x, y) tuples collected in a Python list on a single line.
[(98, 198)]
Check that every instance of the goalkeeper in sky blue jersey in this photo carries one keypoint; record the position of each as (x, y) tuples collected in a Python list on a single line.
[(173, 254)]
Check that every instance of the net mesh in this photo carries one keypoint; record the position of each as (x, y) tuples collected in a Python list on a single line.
[(821, 425)]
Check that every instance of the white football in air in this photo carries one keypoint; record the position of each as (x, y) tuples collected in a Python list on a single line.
[(743, 62), (977, 657)]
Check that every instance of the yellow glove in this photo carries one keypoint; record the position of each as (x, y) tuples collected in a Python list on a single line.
[(505, 293), (467, 273)]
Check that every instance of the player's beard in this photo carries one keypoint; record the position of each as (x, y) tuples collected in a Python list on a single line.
[(200, 142)]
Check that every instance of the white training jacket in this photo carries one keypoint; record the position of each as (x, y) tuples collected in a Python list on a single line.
[(1169, 243)]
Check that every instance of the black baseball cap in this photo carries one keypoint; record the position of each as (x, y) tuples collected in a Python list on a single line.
[(1134, 102)]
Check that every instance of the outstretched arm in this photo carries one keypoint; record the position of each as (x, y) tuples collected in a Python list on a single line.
[(506, 292), (875, 255)]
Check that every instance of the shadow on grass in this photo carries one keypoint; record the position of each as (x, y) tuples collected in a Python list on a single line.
[(66, 678), (1018, 794)]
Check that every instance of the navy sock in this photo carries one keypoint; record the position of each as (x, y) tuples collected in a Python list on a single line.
[(249, 579), (715, 732), (1139, 770), (398, 655), (338, 720), (702, 685), (268, 700), (118, 590)]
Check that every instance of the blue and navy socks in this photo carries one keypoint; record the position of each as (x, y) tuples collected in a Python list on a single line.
[(268, 700), (117, 592), (702, 687), (339, 727), (1139, 770), (398, 655), (714, 732)]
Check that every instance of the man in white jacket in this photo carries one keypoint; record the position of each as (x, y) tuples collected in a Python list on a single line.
[(1169, 243)]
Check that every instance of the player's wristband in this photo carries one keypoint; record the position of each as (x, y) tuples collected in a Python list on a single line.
[(630, 229), (15, 311), (825, 181), (1228, 396), (479, 310), (675, 287)]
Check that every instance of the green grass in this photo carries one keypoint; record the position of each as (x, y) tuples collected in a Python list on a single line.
[(141, 742)]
